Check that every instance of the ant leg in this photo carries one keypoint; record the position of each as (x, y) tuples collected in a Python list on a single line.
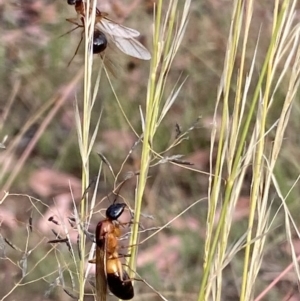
[(76, 50), (92, 260), (124, 255), (74, 21), (129, 246), (131, 223), (120, 269), (70, 31)]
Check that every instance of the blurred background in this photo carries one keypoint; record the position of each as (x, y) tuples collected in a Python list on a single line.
[(41, 166)]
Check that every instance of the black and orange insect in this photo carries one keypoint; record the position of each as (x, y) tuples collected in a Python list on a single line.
[(107, 30), (108, 264)]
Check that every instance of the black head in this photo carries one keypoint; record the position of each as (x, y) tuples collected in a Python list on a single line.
[(99, 41), (114, 211), (71, 2)]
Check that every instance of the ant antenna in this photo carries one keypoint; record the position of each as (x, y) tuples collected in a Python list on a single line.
[(105, 161), (92, 182), (117, 190)]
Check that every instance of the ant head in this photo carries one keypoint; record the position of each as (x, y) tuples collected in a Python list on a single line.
[(114, 211)]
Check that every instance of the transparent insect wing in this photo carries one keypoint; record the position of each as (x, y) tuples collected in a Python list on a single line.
[(115, 29), (132, 47)]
